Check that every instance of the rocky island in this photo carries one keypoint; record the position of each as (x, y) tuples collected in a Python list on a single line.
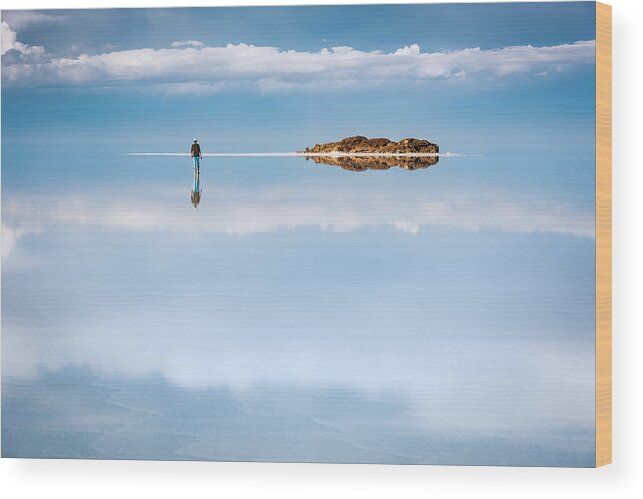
[(353, 153), (362, 145)]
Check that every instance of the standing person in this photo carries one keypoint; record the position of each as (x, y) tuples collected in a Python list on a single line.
[(196, 155)]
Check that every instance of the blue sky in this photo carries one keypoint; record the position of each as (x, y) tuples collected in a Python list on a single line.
[(303, 312), (189, 83)]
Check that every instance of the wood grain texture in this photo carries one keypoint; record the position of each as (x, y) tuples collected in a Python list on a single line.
[(603, 234)]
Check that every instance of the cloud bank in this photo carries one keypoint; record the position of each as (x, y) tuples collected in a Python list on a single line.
[(19, 19), (10, 42), (273, 69), (235, 213)]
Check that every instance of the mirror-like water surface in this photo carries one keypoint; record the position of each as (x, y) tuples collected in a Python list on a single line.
[(301, 312)]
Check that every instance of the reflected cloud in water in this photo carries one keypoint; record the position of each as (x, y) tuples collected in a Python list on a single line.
[(329, 314)]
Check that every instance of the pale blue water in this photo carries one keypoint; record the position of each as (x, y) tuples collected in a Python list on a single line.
[(302, 312)]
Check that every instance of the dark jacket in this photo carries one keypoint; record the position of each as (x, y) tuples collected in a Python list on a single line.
[(196, 150)]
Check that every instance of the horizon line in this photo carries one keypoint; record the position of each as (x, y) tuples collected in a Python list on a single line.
[(299, 154)]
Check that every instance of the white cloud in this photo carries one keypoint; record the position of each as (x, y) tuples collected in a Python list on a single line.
[(19, 19), (272, 69), (211, 344), (10, 42), (12, 234), (8, 37), (411, 50), (188, 43), (189, 88), (227, 211), (221, 350)]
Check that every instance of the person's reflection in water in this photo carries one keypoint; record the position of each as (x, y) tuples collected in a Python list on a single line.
[(195, 195)]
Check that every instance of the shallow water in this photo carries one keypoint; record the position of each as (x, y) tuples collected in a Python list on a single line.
[(302, 312)]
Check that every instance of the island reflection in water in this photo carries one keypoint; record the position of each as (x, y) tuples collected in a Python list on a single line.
[(351, 163), (363, 163)]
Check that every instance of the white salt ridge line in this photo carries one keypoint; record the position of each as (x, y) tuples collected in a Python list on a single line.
[(304, 154)]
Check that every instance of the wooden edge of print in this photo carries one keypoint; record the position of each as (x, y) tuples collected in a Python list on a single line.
[(603, 234)]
